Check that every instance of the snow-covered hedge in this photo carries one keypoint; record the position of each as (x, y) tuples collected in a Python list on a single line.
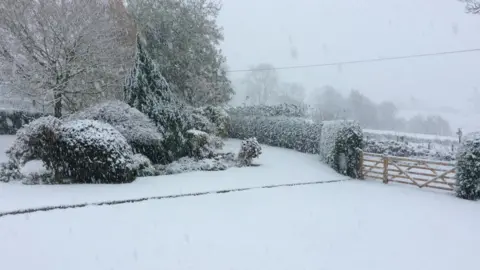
[(11, 121), (140, 132), (288, 132), (289, 110), (403, 149), (468, 168), (249, 149), (341, 145), (84, 151)]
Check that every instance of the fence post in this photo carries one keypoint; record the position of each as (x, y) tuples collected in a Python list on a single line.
[(361, 176), (385, 169)]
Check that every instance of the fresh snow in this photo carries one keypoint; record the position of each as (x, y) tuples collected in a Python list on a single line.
[(277, 166), (350, 225), (412, 135)]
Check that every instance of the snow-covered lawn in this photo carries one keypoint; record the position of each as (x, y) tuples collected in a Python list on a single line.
[(361, 225), (350, 225), (278, 166)]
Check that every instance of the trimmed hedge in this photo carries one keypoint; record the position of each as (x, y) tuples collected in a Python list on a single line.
[(289, 110), (468, 169), (11, 121), (288, 132), (341, 145)]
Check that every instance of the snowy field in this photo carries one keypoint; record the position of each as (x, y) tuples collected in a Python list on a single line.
[(278, 166), (361, 225), (467, 121), (349, 225), (418, 136)]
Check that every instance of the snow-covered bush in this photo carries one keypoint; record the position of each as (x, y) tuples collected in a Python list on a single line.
[(198, 121), (188, 164), (36, 141), (42, 178), (144, 166), (249, 149), (95, 152), (202, 145), (219, 117), (11, 121), (287, 132), (84, 151), (148, 91), (9, 171), (403, 149), (140, 132), (289, 110), (341, 145), (468, 168), (213, 120)]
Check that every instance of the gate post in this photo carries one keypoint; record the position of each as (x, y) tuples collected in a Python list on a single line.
[(385, 169), (361, 165)]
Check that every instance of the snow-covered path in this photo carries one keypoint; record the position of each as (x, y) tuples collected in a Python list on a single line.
[(278, 166), (350, 225)]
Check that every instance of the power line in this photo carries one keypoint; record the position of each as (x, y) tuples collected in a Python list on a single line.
[(359, 61)]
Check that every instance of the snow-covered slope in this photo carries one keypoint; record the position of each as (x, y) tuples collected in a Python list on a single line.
[(343, 226), (278, 166)]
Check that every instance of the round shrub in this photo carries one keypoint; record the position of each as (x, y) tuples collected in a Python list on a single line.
[(249, 149), (95, 153), (202, 145), (468, 168), (84, 151), (140, 132)]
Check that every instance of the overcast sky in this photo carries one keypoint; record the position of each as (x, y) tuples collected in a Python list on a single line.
[(324, 31)]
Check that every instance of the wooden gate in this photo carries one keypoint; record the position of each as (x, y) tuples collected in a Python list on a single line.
[(418, 172)]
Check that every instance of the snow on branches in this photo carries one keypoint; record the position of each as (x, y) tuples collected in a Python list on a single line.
[(249, 149), (468, 168), (140, 132), (341, 146)]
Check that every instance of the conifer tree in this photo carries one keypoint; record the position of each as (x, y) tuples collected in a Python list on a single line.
[(148, 91)]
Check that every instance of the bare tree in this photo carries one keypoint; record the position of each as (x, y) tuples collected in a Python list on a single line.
[(66, 53), (261, 83)]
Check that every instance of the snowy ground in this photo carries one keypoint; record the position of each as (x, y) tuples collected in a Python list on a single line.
[(350, 225), (361, 225), (418, 136), (278, 166)]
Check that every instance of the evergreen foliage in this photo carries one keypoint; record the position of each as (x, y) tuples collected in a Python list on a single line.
[(288, 132), (468, 168), (140, 132), (341, 145), (83, 151), (148, 91)]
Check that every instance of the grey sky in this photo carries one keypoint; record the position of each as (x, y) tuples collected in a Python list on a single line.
[(331, 30)]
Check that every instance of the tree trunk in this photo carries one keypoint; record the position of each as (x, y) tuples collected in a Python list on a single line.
[(57, 96)]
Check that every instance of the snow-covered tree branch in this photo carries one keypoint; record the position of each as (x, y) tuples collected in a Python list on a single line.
[(66, 54), (182, 37)]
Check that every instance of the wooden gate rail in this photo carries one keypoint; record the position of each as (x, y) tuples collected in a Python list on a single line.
[(417, 172)]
